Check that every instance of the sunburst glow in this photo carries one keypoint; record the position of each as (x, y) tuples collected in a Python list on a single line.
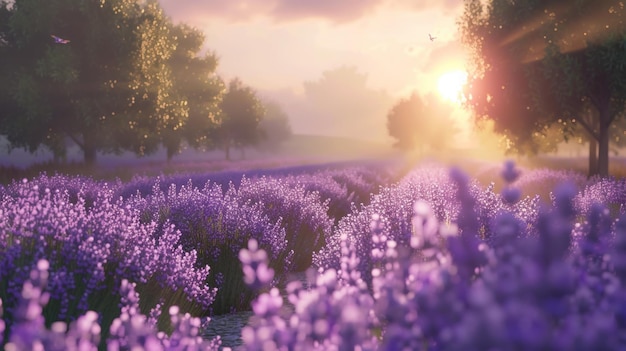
[(450, 85)]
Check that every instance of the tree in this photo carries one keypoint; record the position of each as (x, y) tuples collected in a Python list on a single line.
[(158, 108), (537, 63), (195, 79), (242, 112), (197, 87), (341, 99), (420, 126), (103, 89), (275, 127)]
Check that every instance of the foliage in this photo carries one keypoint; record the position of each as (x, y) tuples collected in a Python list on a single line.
[(217, 225), (544, 284), (341, 99), (132, 329), (538, 63), (157, 109), (432, 262), (418, 125), (91, 246), (79, 90), (126, 79), (242, 112), (275, 127), (195, 81)]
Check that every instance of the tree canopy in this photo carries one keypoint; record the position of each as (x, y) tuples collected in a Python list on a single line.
[(341, 99), (275, 127), (197, 88), (418, 125), (108, 75), (539, 63), (242, 112)]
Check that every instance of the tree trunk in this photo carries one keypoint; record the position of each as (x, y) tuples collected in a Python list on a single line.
[(227, 151), (170, 154), (173, 146), (603, 151), (593, 157), (243, 153), (59, 158), (89, 146), (89, 153)]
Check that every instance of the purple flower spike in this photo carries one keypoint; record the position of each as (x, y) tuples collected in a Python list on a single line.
[(257, 274), (510, 173), (511, 195), (2, 324), (268, 304)]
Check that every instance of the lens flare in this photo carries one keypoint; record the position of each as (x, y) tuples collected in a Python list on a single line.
[(450, 85)]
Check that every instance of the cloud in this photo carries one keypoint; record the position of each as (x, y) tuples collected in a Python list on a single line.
[(448, 7), (335, 11), (229, 10)]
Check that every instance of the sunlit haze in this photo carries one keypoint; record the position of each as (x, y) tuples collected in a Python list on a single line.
[(450, 85), (276, 46)]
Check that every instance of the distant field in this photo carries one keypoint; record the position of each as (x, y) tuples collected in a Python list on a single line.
[(300, 149)]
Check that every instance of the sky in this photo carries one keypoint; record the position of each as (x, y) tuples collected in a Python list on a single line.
[(277, 46)]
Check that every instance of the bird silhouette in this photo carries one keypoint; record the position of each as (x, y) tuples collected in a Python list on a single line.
[(431, 37), (59, 40)]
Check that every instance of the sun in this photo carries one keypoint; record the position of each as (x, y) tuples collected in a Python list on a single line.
[(450, 85)]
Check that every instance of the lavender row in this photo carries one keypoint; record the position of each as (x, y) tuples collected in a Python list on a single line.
[(131, 330), (165, 241), (457, 234), (90, 251), (558, 284), (287, 216)]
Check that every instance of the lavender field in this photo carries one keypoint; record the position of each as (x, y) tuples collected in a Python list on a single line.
[(429, 259)]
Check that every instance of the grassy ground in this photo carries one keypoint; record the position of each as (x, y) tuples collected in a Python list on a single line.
[(303, 149), (299, 150), (127, 171)]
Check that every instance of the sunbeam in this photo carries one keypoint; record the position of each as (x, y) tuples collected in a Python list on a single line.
[(573, 29)]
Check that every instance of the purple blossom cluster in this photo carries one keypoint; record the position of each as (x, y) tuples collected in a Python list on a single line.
[(559, 285), (217, 225), (287, 216), (372, 171), (76, 186), (609, 191), (131, 330), (90, 250), (393, 205), (434, 261), (329, 190), (330, 312), (345, 188), (98, 236), (542, 181), (301, 213)]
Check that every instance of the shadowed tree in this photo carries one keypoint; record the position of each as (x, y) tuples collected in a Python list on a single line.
[(341, 99), (197, 90), (158, 108), (195, 79), (242, 112), (275, 127), (15, 117), (421, 126), (537, 63), (103, 89)]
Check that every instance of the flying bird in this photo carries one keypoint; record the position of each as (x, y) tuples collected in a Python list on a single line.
[(431, 37), (59, 40)]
